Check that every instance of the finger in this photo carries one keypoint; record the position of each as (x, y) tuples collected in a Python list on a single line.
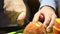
[(52, 21), (41, 16), (21, 16), (46, 22), (36, 17)]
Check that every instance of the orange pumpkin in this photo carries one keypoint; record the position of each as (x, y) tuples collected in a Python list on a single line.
[(34, 28), (56, 27)]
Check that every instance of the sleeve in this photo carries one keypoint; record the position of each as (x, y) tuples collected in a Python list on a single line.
[(48, 3)]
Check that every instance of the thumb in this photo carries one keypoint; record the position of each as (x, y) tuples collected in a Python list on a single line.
[(21, 16), (36, 17)]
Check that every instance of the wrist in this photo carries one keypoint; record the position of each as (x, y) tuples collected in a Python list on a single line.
[(47, 7)]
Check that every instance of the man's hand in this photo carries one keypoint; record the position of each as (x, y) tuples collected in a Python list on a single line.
[(48, 13), (15, 9)]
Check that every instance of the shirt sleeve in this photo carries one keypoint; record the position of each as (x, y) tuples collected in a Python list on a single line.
[(48, 3)]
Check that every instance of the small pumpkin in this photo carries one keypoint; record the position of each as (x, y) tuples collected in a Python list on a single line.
[(56, 27), (34, 28)]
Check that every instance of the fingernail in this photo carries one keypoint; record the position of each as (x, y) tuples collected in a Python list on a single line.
[(45, 25), (48, 30)]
